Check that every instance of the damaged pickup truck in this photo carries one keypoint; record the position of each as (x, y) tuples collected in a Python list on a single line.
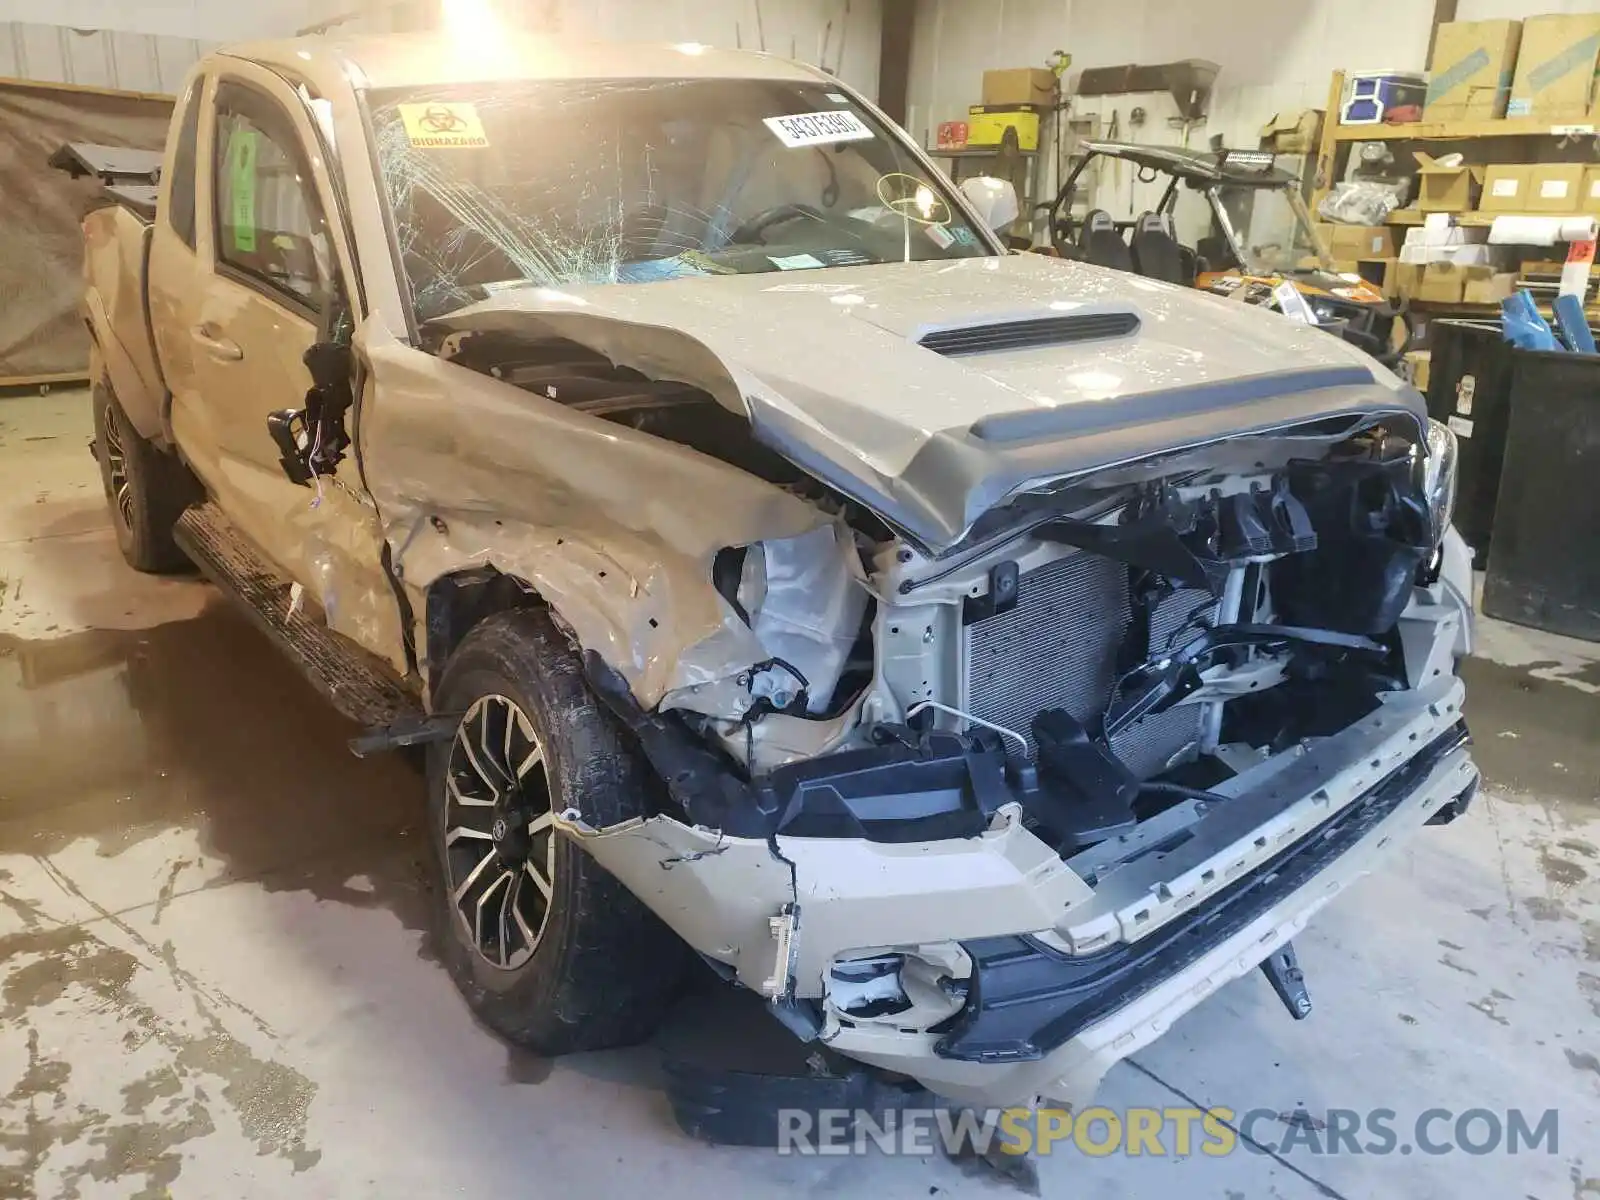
[(980, 657)]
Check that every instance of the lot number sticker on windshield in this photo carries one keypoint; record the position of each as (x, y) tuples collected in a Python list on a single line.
[(815, 129), (438, 125)]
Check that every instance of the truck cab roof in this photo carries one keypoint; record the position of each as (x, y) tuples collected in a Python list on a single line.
[(434, 58)]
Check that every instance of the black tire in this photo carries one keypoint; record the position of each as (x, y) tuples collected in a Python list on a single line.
[(146, 489), (603, 970)]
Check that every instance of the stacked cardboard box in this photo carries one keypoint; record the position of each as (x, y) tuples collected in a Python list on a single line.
[(1447, 188), (1348, 245), (1470, 73), (1449, 264), (1556, 188), (1555, 73)]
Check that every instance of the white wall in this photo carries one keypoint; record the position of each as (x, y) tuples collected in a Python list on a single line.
[(1489, 10), (51, 39), (206, 20), (845, 36), (135, 62), (1274, 54)]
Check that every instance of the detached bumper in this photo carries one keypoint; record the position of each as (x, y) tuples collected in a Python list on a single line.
[(1067, 978), (1038, 1022)]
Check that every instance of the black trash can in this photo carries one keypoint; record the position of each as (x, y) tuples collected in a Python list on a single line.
[(1544, 570), (1469, 388)]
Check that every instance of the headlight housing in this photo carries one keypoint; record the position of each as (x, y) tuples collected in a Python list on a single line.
[(1439, 476)]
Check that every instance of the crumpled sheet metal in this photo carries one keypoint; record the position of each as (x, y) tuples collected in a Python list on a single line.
[(615, 529), (343, 554), (720, 893)]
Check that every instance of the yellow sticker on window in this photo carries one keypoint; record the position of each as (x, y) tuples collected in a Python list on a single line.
[(440, 125)]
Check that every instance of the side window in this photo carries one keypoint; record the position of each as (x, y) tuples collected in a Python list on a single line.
[(180, 202), (269, 224)]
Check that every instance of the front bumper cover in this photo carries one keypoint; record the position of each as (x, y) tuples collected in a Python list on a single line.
[(1026, 998)]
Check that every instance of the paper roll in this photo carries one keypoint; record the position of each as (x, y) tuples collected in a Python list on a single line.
[(1541, 231)]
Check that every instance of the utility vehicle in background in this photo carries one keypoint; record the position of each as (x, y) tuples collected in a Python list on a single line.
[(1260, 236)]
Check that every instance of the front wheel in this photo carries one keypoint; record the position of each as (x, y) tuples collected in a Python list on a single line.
[(550, 951)]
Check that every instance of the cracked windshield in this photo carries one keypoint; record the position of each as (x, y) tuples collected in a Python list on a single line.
[(557, 183)]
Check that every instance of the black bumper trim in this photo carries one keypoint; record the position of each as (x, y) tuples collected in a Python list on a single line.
[(1025, 998)]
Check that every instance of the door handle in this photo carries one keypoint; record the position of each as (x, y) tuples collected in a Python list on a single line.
[(219, 347)]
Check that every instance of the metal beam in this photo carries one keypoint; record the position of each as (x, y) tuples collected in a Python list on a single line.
[(894, 59), (1444, 11)]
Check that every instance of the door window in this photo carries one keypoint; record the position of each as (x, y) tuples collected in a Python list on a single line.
[(270, 229), (180, 210)]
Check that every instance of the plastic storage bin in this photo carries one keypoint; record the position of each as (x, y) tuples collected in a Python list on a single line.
[(1373, 93), (1544, 570), (1469, 388)]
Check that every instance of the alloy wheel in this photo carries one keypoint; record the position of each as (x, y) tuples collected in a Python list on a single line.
[(120, 487), (499, 834)]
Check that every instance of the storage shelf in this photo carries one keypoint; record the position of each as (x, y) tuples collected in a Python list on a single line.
[(1460, 308), (1444, 131), (1410, 216)]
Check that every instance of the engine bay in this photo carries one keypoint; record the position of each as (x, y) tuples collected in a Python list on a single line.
[(1098, 651)]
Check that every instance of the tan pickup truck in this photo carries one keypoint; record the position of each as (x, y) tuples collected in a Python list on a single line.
[(980, 657)]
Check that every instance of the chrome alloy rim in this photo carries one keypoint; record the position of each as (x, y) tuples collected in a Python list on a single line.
[(117, 469), (499, 832)]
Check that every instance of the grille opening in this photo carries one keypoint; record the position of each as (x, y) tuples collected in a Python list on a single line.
[(1057, 648), (1024, 335)]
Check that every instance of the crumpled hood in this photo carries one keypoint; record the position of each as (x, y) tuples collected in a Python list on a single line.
[(828, 366)]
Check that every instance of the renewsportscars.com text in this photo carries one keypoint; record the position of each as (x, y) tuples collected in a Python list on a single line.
[(1099, 1131)]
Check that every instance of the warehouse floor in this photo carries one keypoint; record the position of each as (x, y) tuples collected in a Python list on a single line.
[(214, 979)]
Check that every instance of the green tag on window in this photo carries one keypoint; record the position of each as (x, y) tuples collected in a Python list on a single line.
[(242, 146)]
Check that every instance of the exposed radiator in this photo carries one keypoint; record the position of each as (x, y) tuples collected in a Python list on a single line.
[(1057, 648)]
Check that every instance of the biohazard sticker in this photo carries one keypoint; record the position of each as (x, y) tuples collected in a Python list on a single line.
[(439, 125), (817, 129)]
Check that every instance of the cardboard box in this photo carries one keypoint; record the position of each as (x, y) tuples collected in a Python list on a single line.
[(1495, 288), (987, 125), (1556, 188), (1293, 132), (1471, 70), (1448, 234), (1463, 254), (1406, 279), (1020, 85), (1589, 198), (1376, 270), (1555, 68), (1446, 189), (1350, 243), (1446, 283), (1505, 188)]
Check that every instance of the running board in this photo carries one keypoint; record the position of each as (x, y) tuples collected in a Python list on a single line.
[(354, 682)]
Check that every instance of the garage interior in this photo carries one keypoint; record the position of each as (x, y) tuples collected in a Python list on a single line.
[(216, 971)]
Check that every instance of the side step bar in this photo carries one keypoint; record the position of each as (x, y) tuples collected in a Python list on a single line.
[(354, 682)]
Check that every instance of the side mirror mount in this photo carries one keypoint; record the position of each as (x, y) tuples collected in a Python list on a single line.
[(995, 200)]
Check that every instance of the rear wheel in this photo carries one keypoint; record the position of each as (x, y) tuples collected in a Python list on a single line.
[(550, 951), (146, 489)]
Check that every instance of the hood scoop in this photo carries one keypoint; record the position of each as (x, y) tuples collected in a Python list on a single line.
[(993, 336)]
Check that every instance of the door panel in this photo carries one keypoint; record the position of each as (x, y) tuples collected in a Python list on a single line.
[(258, 313), (275, 266), (180, 270)]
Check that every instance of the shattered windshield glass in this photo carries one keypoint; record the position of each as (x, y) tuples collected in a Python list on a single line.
[(559, 182)]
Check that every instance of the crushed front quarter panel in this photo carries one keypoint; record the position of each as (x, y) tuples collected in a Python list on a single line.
[(615, 529)]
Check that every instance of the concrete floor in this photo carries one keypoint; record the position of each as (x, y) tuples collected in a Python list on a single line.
[(214, 980)]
